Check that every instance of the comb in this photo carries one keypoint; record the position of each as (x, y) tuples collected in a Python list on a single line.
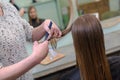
[(53, 42), (54, 55)]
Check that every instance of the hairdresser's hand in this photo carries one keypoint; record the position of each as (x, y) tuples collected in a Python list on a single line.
[(54, 32), (21, 12), (40, 51)]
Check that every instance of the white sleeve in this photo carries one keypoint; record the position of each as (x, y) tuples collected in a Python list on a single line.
[(28, 29), (26, 26)]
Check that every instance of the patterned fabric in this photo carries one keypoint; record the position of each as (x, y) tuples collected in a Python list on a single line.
[(14, 31)]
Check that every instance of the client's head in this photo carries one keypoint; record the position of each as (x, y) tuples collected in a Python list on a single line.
[(89, 46), (32, 12)]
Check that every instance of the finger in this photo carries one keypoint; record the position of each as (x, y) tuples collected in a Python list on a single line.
[(60, 33), (49, 37), (56, 33), (46, 24), (48, 30), (51, 34), (45, 43), (57, 30), (35, 43)]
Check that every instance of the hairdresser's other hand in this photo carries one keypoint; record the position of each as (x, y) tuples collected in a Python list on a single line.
[(40, 51), (54, 32), (21, 12)]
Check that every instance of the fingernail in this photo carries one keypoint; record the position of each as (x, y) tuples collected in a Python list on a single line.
[(46, 41), (48, 32), (35, 42)]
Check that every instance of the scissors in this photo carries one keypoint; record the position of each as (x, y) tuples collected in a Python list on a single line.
[(47, 34), (52, 42)]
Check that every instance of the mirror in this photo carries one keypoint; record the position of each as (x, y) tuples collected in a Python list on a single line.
[(59, 10), (105, 8)]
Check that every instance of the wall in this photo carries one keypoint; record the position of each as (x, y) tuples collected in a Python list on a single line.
[(22, 3), (5, 0), (65, 2), (114, 5), (46, 9), (84, 1)]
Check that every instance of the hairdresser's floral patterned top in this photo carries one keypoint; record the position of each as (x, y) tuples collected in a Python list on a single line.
[(13, 34)]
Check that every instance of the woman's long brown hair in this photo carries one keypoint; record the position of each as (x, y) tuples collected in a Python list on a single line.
[(89, 46), (30, 19)]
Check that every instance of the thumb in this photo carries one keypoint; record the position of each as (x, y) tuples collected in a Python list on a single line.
[(47, 23), (45, 42), (35, 43), (48, 30)]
